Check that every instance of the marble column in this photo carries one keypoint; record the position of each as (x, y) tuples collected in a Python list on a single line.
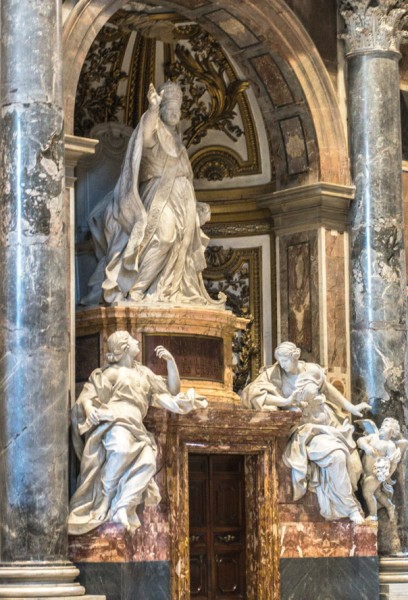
[(34, 334), (378, 280)]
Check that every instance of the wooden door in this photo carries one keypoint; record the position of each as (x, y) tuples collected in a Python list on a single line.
[(217, 527)]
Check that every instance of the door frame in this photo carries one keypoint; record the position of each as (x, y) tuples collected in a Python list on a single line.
[(220, 435)]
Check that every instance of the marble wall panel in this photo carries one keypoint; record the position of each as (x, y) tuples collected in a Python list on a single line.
[(352, 578), (336, 539), (299, 290), (299, 295), (127, 581), (87, 353), (295, 145), (197, 357), (336, 300), (273, 79), (234, 28)]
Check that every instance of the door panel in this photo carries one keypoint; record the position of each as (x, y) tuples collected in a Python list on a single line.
[(217, 527)]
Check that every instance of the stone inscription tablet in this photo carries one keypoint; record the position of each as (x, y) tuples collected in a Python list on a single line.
[(197, 357)]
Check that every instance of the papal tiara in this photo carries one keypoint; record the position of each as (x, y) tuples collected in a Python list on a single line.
[(172, 91)]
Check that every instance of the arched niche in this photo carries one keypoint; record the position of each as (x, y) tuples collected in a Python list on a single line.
[(275, 54)]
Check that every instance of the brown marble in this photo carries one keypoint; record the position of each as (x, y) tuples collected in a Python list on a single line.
[(230, 430), (273, 79), (295, 145), (336, 300), (112, 543), (197, 323), (197, 357), (299, 294), (300, 307), (87, 356), (327, 539), (234, 28)]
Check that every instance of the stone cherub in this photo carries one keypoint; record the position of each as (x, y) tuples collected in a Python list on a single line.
[(146, 233), (383, 450), (117, 453)]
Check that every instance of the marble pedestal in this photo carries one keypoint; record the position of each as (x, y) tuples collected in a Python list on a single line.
[(393, 578), (200, 340), (41, 580)]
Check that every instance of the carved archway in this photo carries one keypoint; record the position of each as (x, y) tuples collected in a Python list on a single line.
[(278, 40)]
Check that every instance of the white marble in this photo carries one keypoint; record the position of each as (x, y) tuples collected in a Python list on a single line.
[(321, 451), (117, 453), (147, 231), (383, 450)]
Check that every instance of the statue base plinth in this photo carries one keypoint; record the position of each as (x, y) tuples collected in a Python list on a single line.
[(41, 580), (394, 578), (199, 338)]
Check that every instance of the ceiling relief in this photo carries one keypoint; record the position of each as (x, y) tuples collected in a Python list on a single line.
[(97, 100), (133, 49)]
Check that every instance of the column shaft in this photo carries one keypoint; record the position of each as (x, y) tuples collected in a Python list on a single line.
[(378, 285), (378, 312), (33, 295)]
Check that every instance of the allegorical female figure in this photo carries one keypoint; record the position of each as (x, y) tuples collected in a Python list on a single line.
[(275, 386), (322, 454), (117, 453), (321, 451), (147, 231)]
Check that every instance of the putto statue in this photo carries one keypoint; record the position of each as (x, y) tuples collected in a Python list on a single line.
[(117, 453), (383, 450), (146, 233)]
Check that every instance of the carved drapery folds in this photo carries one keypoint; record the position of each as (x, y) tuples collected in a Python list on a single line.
[(374, 25)]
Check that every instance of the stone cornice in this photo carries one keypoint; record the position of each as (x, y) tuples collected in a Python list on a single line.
[(373, 26), (316, 205), (76, 148)]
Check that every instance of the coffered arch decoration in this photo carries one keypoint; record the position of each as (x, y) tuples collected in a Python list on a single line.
[(267, 48), (222, 135)]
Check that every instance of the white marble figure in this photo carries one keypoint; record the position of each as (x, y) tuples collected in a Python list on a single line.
[(383, 450), (322, 454), (146, 233), (275, 386), (117, 453)]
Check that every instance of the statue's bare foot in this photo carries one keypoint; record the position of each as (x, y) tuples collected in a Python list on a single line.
[(372, 518), (100, 513), (356, 517), (121, 517)]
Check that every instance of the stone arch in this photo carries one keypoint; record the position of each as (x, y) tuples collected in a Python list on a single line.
[(277, 33)]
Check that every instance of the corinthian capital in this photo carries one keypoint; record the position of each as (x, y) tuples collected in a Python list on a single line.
[(374, 25)]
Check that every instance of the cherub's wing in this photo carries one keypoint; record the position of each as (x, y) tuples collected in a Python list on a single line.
[(368, 425)]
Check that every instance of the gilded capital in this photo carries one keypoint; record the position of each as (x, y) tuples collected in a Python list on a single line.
[(374, 25)]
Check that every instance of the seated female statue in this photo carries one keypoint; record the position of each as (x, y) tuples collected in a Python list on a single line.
[(118, 454)]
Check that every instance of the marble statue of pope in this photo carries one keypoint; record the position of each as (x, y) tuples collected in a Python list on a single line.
[(146, 232)]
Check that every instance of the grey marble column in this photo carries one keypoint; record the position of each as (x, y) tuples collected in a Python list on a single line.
[(34, 333), (378, 282)]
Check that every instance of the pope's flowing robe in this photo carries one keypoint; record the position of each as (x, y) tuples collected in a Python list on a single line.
[(146, 233)]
